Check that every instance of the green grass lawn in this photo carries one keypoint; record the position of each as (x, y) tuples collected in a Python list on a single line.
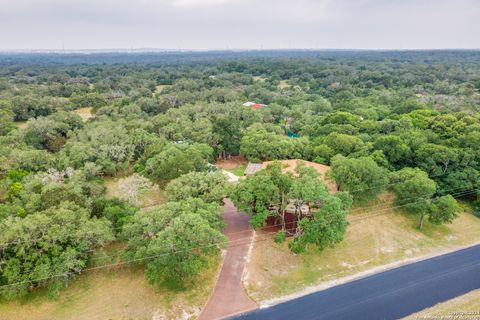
[(238, 171)]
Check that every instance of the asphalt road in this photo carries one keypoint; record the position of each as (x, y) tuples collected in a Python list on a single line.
[(391, 294)]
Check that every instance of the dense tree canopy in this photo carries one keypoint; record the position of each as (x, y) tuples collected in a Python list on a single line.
[(175, 240), (406, 121), (361, 176), (208, 186)]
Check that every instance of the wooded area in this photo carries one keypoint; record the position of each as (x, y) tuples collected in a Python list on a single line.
[(406, 122)]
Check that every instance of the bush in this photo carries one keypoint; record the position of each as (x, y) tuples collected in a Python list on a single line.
[(280, 236), (118, 211), (476, 208)]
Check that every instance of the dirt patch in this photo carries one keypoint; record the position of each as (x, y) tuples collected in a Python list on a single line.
[(22, 124), (370, 242), (468, 303), (258, 78), (283, 84), (84, 113), (232, 163)]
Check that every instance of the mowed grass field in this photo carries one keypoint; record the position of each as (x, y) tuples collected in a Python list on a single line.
[(376, 236), (468, 304), (117, 293)]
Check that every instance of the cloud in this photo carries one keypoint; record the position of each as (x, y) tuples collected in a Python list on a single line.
[(199, 3), (203, 24)]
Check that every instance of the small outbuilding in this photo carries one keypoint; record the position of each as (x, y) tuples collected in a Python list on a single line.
[(254, 105)]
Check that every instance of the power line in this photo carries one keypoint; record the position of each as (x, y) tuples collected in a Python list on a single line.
[(125, 262), (3, 245), (199, 247), (464, 193), (448, 190)]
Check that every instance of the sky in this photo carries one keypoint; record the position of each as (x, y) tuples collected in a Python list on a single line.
[(239, 24)]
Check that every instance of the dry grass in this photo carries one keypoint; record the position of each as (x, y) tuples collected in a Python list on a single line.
[(114, 294), (369, 242), (148, 198), (159, 88), (3, 193), (469, 302), (84, 113), (22, 124), (258, 78), (232, 163), (283, 84)]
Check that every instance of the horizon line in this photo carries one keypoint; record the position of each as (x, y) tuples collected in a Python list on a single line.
[(191, 50)]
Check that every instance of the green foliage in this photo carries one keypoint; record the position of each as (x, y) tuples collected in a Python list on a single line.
[(6, 119), (38, 192), (306, 188), (180, 251), (414, 192), (362, 176), (176, 240), (254, 195), (394, 149), (25, 107), (259, 144), (424, 115), (326, 228), (107, 144), (117, 211), (413, 189), (28, 160), (280, 236), (343, 144), (92, 99), (443, 209), (208, 186), (476, 208), (16, 175), (268, 191), (14, 190), (48, 247), (435, 159), (176, 159)]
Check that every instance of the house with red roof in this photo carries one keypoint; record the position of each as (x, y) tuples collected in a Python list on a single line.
[(254, 105)]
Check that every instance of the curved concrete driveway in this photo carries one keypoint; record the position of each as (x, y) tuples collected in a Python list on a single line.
[(229, 297)]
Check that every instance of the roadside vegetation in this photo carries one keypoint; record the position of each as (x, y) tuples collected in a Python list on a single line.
[(97, 153)]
